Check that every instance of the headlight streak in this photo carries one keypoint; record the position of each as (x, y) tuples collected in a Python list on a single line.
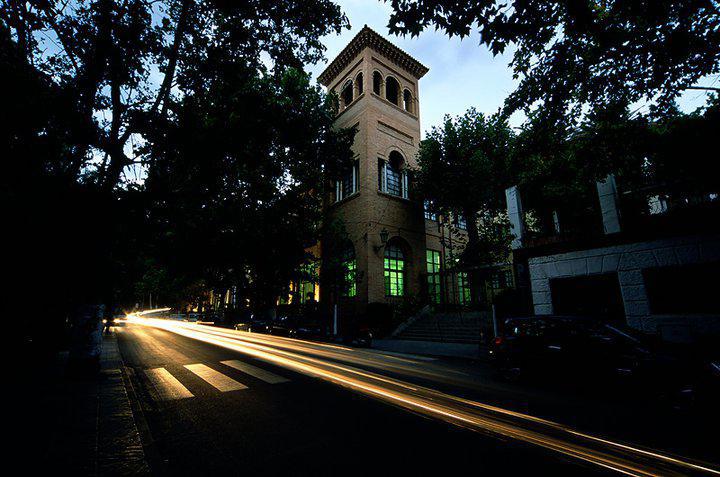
[(619, 457)]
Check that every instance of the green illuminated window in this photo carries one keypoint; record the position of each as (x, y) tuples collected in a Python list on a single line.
[(432, 260), (350, 266), (463, 288), (394, 271), (307, 291)]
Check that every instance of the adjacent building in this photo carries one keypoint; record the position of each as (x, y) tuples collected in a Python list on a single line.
[(648, 256)]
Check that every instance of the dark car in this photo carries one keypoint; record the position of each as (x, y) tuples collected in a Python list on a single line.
[(584, 350), (283, 325), (254, 324), (308, 330), (361, 337)]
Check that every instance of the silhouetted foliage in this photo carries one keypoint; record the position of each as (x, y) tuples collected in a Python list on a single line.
[(465, 166), (97, 94), (568, 54)]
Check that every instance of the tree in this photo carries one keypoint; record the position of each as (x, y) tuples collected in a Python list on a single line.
[(571, 54), (239, 173), (665, 149), (93, 91), (105, 54), (465, 167)]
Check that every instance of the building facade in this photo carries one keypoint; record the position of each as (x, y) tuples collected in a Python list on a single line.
[(653, 267), (394, 248), (377, 84)]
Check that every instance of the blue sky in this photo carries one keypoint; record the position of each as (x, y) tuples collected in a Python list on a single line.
[(462, 73)]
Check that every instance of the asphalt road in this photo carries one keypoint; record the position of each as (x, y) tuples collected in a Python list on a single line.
[(214, 401)]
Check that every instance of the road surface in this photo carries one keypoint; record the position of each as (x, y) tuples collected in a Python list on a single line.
[(216, 401)]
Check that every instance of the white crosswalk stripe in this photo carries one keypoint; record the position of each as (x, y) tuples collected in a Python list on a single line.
[(166, 386), (215, 378), (255, 372)]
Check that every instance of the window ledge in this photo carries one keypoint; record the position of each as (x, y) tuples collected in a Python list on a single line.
[(393, 196), (349, 106), (385, 100), (346, 199)]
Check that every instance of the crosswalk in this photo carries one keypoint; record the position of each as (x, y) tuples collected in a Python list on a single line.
[(168, 387)]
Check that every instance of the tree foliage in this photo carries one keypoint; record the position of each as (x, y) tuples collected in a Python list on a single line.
[(665, 149), (465, 166), (97, 95), (569, 54), (238, 179)]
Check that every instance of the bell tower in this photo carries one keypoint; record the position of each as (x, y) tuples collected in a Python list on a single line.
[(377, 84)]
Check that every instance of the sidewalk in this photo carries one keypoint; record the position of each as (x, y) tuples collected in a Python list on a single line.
[(86, 427), (431, 348)]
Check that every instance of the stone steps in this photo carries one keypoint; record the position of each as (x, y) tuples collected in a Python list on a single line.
[(444, 328)]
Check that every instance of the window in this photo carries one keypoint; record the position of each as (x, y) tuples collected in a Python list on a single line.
[(348, 185), (392, 177), (463, 287), (432, 259), (307, 291), (596, 296), (394, 271), (350, 271), (359, 83), (460, 222), (429, 215), (392, 90), (683, 289), (377, 82), (407, 100), (502, 279), (393, 180), (347, 94)]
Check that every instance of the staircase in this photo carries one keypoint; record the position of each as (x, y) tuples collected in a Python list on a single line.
[(446, 328)]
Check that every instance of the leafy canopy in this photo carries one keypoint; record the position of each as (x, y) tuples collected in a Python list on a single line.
[(464, 168), (587, 52)]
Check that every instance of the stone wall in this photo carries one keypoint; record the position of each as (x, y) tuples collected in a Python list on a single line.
[(628, 261)]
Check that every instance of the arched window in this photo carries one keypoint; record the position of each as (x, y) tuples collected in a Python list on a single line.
[(347, 94), (392, 176), (377, 82), (394, 270), (392, 90), (407, 100), (349, 265), (359, 83)]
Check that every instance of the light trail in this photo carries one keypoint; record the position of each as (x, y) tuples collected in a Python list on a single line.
[(285, 352)]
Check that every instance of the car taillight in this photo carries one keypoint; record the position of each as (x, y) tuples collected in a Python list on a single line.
[(498, 340)]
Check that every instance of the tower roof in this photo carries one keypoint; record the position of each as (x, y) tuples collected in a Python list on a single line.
[(367, 37)]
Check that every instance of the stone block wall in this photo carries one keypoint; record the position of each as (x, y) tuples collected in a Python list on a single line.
[(628, 261)]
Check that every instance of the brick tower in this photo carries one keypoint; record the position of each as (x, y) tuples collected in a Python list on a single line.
[(377, 84)]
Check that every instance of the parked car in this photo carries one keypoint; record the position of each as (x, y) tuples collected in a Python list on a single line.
[(253, 324), (307, 330), (579, 349), (361, 337), (282, 325)]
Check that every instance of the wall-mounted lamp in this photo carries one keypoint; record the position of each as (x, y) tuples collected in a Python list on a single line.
[(384, 234)]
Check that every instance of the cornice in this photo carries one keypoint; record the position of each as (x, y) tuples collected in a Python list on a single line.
[(367, 37)]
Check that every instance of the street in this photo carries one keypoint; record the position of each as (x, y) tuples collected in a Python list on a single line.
[(210, 400)]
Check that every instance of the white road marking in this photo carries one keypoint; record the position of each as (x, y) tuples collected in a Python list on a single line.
[(215, 378), (167, 387), (256, 372)]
